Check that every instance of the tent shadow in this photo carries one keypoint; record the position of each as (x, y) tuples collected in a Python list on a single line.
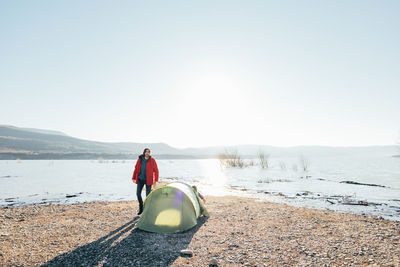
[(137, 248)]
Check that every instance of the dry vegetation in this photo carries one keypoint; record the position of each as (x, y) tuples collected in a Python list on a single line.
[(231, 159), (264, 160), (304, 163)]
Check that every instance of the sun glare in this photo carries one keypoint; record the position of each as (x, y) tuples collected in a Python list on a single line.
[(212, 100)]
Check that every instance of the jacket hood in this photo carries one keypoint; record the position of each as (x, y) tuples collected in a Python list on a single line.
[(141, 156)]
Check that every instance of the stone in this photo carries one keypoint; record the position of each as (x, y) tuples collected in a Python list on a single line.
[(186, 253), (213, 262)]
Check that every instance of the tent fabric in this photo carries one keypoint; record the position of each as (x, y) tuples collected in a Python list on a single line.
[(172, 208)]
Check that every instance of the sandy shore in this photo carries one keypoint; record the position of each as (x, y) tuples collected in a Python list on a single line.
[(240, 231)]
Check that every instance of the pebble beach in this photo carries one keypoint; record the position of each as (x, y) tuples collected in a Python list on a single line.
[(239, 232)]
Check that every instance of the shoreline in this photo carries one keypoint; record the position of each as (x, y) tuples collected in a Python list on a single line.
[(249, 196), (236, 191), (239, 231)]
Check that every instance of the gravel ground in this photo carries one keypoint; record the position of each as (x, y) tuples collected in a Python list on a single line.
[(240, 231)]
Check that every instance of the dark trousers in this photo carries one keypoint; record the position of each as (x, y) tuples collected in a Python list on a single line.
[(139, 192)]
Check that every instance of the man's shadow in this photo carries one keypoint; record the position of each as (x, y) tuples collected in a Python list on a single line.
[(138, 248)]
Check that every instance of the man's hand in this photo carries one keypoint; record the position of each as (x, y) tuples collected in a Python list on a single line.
[(154, 185)]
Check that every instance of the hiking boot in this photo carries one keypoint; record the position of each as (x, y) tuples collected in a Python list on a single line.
[(140, 211)]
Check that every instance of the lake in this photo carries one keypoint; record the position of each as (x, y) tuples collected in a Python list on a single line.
[(356, 184)]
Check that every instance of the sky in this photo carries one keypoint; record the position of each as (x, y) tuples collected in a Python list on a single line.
[(204, 73)]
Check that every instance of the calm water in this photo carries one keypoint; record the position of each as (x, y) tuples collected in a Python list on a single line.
[(71, 181)]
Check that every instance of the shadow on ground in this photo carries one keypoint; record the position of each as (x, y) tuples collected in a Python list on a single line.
[(138, 248)]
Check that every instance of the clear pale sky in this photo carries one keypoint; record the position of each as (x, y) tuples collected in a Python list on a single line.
[(199, 73)]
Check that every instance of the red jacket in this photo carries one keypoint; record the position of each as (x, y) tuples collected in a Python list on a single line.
[(151, 171)]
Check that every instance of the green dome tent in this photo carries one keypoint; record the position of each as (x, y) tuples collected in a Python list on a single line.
[(171, 208)]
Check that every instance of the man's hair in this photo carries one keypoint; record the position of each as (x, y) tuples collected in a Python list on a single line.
[(144, 151)]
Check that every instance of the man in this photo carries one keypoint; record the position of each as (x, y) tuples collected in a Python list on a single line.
[(145, 173)]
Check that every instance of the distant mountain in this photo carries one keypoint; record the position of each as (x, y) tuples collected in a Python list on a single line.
[(36, 143), (41, 131), (30, 143)]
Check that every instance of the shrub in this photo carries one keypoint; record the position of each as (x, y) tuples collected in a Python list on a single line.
[(231, 159), (304, 163), (263, 160)]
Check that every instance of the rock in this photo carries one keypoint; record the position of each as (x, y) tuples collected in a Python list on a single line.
[(186, 253), (213, 262)]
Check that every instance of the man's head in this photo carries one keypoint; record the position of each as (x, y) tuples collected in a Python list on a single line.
[(146, 152)]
